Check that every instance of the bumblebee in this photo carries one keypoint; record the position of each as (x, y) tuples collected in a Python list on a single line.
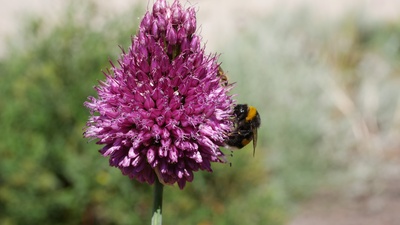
[(247, 121)]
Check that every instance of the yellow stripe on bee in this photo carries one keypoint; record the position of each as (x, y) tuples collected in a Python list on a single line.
[(245, 142), (251, 114)]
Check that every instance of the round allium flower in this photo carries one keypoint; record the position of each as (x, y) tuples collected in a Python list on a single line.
[(162, 112)]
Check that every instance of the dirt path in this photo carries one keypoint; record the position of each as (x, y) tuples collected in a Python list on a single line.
[(333, 209)]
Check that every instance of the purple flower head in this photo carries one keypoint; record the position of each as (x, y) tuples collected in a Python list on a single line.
[(162, 112)]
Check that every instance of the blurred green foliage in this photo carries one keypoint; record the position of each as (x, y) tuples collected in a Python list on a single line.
[(51, 175)]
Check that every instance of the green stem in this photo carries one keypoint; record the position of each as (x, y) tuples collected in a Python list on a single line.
[(156, 219)]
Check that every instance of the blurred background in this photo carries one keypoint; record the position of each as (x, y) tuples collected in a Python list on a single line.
[(325, 77)]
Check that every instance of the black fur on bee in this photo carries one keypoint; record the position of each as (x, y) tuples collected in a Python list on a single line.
[(247, 121)]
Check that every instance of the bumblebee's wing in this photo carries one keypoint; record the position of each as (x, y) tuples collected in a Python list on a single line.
[(254, 141)]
